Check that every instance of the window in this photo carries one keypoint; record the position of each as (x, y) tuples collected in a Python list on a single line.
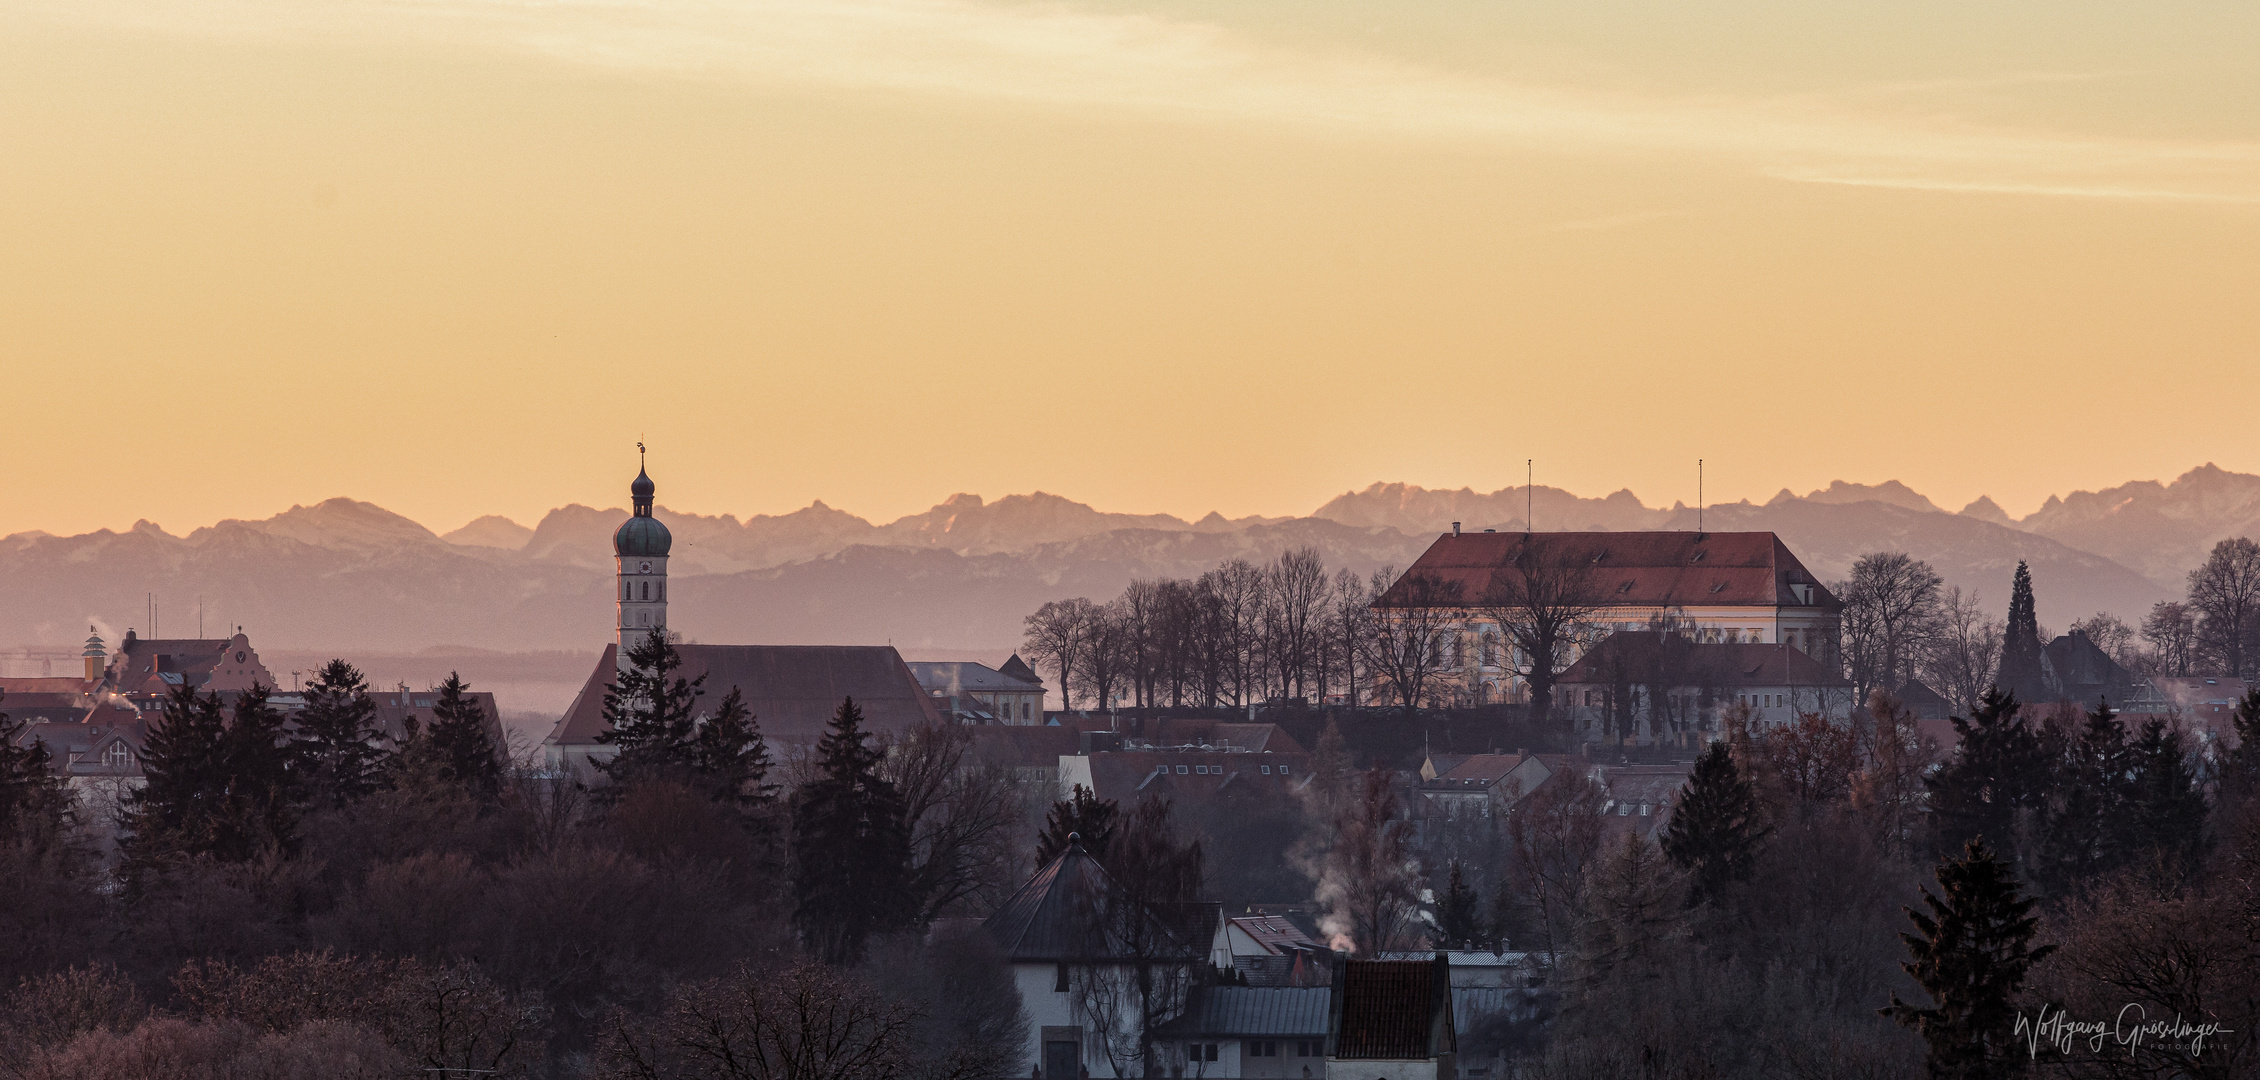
[(1180, 770), (1283, 770), (1059, 980), (117, 756), (1263, 1048), (1643, 809), (1267, 770), (1200, 1051), (1306, 1048)]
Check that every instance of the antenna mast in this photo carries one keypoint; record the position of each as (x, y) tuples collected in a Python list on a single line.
[(1529, 497), (1698, 496)]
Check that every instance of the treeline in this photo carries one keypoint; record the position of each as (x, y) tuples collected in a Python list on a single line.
[(1839, 902), (1237, 634), (1901, 622), (305, 896)]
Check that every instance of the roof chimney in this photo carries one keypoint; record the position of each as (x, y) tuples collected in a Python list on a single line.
[(1455, 528)]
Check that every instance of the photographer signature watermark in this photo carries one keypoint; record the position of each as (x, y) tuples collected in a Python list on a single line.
[(2132, 1028)]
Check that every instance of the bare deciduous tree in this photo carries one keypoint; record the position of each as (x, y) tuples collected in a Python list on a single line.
[(1540, 601), (1370, 878), (964, 819), (2112, 635), (1294, 605), (1056, 635), (2171, 630), (1891, 616), (2225, 593), (808, 1023), (1554, 835), (1966, 651), (1405, 637)]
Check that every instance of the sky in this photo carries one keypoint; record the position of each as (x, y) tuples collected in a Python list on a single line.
[(456, 257)]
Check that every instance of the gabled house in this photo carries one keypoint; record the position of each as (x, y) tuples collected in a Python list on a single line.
[(1391, 1019), (1098, 972), (1647, 687), (1249, 1031), (1483, 785)]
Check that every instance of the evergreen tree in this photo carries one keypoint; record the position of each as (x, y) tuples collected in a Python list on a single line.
[(461, 749), (1459, 913), (1971, 957), (339, 745), (1088, 818), (2164, 810), (1714, 830), (2023, 669), (650, 714), (1998, 769), (2240, 769), (2081, 839), (729, 759), (36, 807), (850, 846), (213, 784)]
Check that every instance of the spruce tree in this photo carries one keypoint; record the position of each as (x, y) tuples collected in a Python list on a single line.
[(729, 759), (1971, 955), (213, 785), (1998, 769), (2081, 839), (338, 743), (650, 714), (850, 847), (1715, 829), (1459, 912), (36, 807), (2164, 810), (2240, 769), (2023, 670), (461, 749), (1088, 818)]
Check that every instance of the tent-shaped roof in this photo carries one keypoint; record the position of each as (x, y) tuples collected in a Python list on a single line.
[(1073, 911), (1630, 569)]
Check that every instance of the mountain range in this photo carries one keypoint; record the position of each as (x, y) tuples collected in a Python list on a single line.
[(349, 575)]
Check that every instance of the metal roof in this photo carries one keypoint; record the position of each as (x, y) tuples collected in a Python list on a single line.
[(1252, 1011)]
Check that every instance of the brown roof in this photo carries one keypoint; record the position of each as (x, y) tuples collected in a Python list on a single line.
[(1722, 665), (1129, 775), (793, 690), (1391, 1010), (17, 688), (1487, 767), (1012, 745), (1631, 569), (1254, 737), (1072, 910)]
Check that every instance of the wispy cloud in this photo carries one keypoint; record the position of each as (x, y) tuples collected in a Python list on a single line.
[(1058, 57)]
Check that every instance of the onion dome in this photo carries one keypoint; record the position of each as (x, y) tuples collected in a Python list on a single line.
[(642, 534)]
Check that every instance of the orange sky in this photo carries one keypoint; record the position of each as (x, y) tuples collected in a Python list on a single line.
[(454, 257)]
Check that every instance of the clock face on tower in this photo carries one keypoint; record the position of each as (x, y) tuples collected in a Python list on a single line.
[(644, 567)]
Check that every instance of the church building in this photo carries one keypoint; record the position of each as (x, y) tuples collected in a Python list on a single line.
[(793, 690)]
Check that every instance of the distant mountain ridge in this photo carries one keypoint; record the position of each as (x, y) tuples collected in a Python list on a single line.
[(348, 574)]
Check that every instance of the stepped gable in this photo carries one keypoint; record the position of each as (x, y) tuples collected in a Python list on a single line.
[(1630, 569), (793, 690)]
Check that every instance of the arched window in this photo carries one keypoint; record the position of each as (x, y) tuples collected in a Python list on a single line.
[(663, 588), (647, 590)]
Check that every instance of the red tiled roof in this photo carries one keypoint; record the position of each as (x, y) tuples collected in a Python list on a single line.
[(793, 690), (1011, 745), (1630, 569)]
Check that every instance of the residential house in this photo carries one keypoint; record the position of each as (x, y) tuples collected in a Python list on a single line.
[(1481, 785), (1277, 950), (1250, 1031), (1391, 1020), (1098, 973)]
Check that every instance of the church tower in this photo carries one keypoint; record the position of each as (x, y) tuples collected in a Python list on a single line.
[(641, 545)]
